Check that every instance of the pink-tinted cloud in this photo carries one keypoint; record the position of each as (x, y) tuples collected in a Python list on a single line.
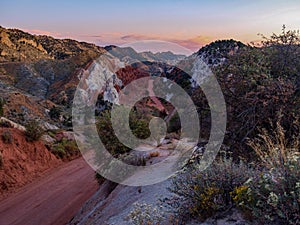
[(116, 38), (193, 43), (139, 37), (92, 36), (43, 32)]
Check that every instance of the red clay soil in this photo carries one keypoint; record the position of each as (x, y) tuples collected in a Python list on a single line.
[(22, 161), (52, 199), (157, 103)]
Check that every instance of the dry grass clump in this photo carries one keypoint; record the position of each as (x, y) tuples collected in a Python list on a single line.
[(275, 192)]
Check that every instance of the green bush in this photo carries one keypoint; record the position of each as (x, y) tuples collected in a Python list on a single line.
[(65, 149), (139, 127), (33, 131), (58, 150), (107, 136), (7, 137)]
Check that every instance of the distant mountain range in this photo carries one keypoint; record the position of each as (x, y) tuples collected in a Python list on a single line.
[(39, 72)]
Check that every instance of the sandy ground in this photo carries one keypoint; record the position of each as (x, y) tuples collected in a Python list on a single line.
[(52, 199), (112, 208)]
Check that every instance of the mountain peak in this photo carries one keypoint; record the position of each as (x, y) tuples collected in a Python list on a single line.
[(219, 51)]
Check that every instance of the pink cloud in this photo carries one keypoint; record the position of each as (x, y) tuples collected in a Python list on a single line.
[(192, 43), (139, 37), (116, 38), (43, 32)]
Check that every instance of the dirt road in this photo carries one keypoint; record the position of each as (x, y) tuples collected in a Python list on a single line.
[(52, 199)]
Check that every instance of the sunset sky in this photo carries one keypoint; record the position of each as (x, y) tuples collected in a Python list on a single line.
[(190, 23)]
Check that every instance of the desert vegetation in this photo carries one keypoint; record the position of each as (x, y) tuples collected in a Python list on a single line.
[(257, 170), (33, 130), (65, 149), (138, 124), (261, 175), (265, 191)]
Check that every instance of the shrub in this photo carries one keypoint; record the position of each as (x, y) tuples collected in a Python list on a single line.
[(7, 137), (257, 82), (174, 124), (253, 97), (275, 193), (201, 194), (283, 51), (58, 150), (54, 113), (33, 131), (145, 214), (71, 146), (139, 128), (108, 138), (65, 149)]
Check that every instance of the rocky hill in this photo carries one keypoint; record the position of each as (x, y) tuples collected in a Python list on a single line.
[(19, 46), (219, 51), (40, 72)]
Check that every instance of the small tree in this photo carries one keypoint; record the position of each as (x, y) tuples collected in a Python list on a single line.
[(33, 131), (283, 51)]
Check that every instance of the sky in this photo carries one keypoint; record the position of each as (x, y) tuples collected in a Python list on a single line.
[(188, 23)]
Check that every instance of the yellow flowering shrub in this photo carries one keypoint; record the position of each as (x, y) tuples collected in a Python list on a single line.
[(202, 194)]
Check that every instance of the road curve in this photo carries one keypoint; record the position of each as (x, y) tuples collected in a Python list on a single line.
[(52, 199)]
